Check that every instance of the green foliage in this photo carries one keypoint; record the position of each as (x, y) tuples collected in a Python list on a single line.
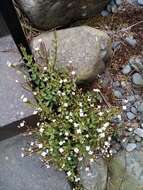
[(73, 124)]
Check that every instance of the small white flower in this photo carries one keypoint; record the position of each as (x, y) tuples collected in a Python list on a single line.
[(22, 124), (65, 105), (35, 93), (73, 93), (9, 64), (67, 117), (87, 136), (78, 131), (76, 150), (75, 125), (66, 133), (124, 107), (16, 81), (70, 61), (69, 173), (98, 107), (125, 101), (32, 143), (63, 94), (102, 135), (73, 72), (22, 97), (106, 124), (81, 114), (38, 124), (69, 158), (90, 152), (45, 68), (87, 148), (35, 112), (87, 169), (61, 150), (54, 120), (43, 154), (41, 130), (61, 143), (40, 145), (107, 144), (99, 130), (37, 48), (47, 166), (80, 158), (39, 40), (61, 81), (25, 100), (70, 120), (77, 179), (96, 90), (109, 138), (91, 160), (22, 155), (65, 80), (119, 117), (89, 99), (100, 113)]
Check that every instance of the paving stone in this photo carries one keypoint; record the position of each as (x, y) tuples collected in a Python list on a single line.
[(11, 85), (139, 132), (17, 173)]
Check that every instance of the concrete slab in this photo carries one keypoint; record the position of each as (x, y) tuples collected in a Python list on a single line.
[(17, 173), (11, 85)]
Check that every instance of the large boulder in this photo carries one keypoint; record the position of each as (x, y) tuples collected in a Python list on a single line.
[(47, 14), (126, 171), (85, 49), (93, 175)]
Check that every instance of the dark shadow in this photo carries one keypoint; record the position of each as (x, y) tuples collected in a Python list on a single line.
[(12, 129), (3, 28)]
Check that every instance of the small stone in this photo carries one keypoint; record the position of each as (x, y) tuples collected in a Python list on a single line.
[(117, 94), (126, 70), (104, 13), (116, 45), (139, 132), (118, 2), (116, 84), (130, 147), (131, 41), (140, 2), (130, 115), (137, 79), (137, 138), (140, 107), (131, 98), (114, 9), (133, 110)]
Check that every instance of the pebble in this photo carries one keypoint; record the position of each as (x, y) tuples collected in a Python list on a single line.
[(104, 13), (116, 84), (137, 138), (126, 70), (130, 147), (133, 110), (131, 98), (130, 115), (118, 2), (139, 132), (140, 107), (140, 2), (116, 45), (131, 41), (117, 93), (137, 79)]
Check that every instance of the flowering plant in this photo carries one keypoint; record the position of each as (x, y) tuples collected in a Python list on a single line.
[(73, 124)]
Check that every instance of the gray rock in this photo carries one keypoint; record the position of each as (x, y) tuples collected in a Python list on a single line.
[(104, 13), (137, 79), (131, 98), (116, 45), (17, 173), (139, 132), (130, 115), (116, 84), (114, 8), (12, 108), (118, 2), (96, 177), (133, 110), (126, 70), (117, 93), (84, 49), (47, 14), (131, 41), (130, 147), (126, 171), (140, 2), (137, 138), (140, 107)]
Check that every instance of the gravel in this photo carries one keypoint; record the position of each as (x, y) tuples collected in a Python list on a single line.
[(130, 147), (131, 41), (117, 93), (126, 70), (139, 132), (137, 79), (130, 115)]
